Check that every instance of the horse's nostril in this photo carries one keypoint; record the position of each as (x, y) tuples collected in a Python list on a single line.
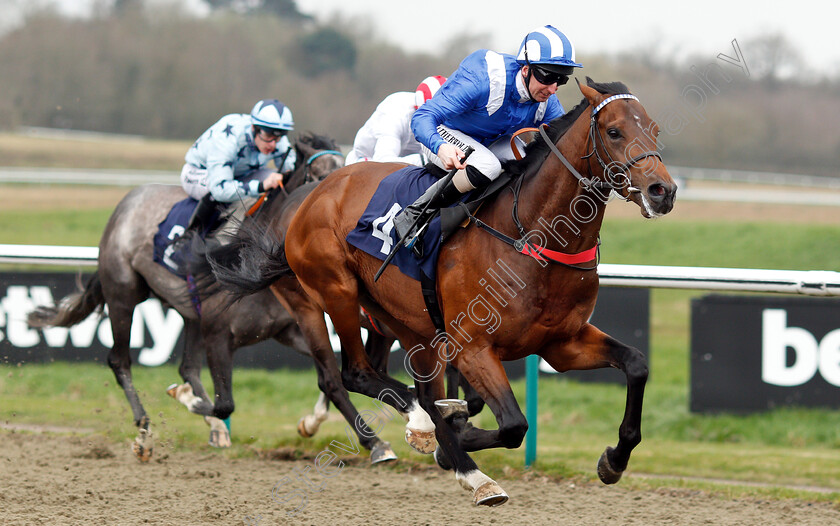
[(656, 190)]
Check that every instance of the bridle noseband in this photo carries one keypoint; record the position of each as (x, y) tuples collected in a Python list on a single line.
[(612, 178)]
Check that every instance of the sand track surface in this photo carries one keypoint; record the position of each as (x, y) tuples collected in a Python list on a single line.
[(58, 479)]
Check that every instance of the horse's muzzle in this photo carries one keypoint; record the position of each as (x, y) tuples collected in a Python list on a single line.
[(661, 197)]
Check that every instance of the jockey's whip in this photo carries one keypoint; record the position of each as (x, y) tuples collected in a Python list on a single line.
[(448, 177)]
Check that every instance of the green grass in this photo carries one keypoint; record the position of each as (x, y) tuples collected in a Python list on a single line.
[(784, 447), (790, 447), (766, 245), (54, 227)]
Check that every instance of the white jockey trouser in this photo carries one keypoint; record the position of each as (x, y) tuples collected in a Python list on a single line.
[(194, 179), (485, 159)]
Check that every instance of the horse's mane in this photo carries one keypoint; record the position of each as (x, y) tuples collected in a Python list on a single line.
[(316, 141), (536, 151)]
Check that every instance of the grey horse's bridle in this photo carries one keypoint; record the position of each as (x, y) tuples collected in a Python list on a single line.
[(307, 172)]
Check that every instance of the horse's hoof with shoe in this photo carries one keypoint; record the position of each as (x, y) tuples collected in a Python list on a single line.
[(382, 452), (309, 425), (486, 492), (490, 494), (606, 473), (219, 433), (144, 445), (421, 441), (184, 393)]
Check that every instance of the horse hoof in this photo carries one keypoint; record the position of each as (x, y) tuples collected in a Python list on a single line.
[(219, 434), (606, 473), (421, 441), (301, 429), (382, 453), (144, 445), (490, 494), (172, 391), (219, 438), (442, 461)]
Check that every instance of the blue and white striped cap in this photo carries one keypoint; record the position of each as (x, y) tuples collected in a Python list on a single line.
[(271, 113), (547, 45)]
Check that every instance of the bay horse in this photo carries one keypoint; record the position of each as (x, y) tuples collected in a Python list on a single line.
[(498, 304), (126, 276)]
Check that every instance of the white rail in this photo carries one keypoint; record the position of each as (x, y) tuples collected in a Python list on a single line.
[(49, 255), (809, 282)]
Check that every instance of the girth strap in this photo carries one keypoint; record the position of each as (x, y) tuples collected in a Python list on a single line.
[(539, 253)]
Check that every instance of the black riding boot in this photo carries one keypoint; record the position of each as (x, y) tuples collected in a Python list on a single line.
[(439, 195), (202, 217)]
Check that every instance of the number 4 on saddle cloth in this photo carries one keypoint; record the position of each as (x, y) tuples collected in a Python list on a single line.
[(375, 234)]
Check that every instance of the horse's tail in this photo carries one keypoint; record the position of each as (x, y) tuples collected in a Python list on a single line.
[(72, 309), (251, 262)]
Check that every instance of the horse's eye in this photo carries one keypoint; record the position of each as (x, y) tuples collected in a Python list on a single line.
[(614, 133)]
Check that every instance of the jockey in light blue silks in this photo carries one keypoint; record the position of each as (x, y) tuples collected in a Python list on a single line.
[(488, 98), (228, 162)]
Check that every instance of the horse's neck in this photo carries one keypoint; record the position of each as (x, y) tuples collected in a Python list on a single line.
[(297, 177), (556, 203)]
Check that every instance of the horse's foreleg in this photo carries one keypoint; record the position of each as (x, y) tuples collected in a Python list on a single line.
[(191, 393), (591, 350), (484, 372), (220, 363), (474, 401)]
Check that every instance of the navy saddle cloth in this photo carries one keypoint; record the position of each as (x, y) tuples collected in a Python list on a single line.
[(375, 234), (167, 251)]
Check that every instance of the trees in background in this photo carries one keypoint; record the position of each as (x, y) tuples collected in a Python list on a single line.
[(133, 71)]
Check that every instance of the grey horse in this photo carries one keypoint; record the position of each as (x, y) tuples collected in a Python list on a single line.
[(127, 275)]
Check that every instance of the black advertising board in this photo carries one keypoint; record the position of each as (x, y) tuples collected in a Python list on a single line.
[(156, 331), (753, 353)]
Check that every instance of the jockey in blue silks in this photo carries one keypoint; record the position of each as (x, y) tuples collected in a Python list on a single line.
[(228, 162), (488, 98)]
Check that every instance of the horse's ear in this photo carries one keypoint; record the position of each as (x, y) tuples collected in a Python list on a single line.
[(592, 95), (304, 148)]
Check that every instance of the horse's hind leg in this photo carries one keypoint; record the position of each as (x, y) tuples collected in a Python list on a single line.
[(378, 350), (119, 360), (309, 425), (594, 349), (311, 321), (359, 376)]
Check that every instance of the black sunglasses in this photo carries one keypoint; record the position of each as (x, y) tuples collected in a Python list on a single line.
[(547, 77)]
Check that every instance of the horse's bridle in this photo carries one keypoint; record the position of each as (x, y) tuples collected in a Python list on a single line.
[(587, 183), (307, 174), (611, 181)]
